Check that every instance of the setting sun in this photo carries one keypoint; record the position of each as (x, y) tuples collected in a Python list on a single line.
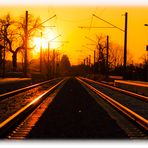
[(68, 21), (74, 70), (49, 38), (37, 43)]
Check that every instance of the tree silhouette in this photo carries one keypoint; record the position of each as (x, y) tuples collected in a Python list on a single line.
[(1, 59), (14, 34), (115, 55), (101, 46)]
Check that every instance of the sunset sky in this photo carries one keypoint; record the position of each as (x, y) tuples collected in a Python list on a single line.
[(69, 17)]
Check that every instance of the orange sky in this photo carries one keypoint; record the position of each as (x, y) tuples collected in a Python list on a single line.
[(70, 17)]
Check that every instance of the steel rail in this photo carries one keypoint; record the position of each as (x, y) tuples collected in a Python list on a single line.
[(14, 92), (141, 97), (131, 114), (10, 121)]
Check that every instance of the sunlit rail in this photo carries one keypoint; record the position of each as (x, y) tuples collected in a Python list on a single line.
[(11, 120), (141, 97), (128, 112), (14, 92)]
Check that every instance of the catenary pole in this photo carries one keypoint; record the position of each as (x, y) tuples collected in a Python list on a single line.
[(125, 45), (41, 54), (107, 53), (26, 43)]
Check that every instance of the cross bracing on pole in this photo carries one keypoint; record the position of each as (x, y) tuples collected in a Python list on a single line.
[(108, 22)]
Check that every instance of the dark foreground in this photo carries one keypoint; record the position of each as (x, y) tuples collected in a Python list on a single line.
[(74, 114)]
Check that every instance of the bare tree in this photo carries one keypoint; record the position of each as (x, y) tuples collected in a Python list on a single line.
[(14, 34), (34, 26), (115, 55), (101, 46)]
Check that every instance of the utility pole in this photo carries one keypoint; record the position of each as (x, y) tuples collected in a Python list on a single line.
[(89, 60), (48, 66), (55, 58), (4, 52), (57, 63), (107, 48), (41, 55), (94, 60), (84, 61), (94, 57), (26, 45), (26, 41), (48, 52), (125, 45), (1, 54), (147, 65), (125, 37), (53, 63), (146, 59)]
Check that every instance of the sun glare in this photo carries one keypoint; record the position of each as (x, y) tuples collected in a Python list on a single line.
[(37, 43), (48, 37)]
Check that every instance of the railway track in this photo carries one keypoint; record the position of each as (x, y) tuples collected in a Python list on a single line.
[(17, 91), (133, 106), (127, 110), (138, 96), (19, 115)]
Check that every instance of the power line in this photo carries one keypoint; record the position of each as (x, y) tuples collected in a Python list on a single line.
[(108, 22), (93, 27), (125, 37), (46, 20), (90, 39)]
